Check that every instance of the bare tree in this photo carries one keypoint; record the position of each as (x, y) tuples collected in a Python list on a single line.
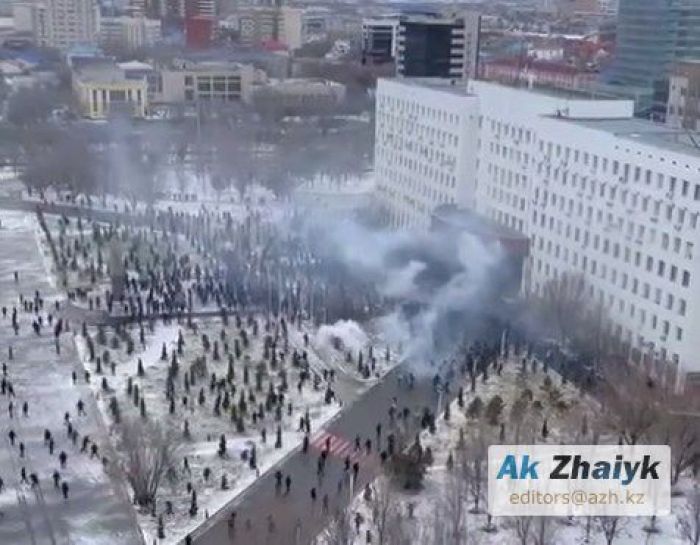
[(474, 465), (433, 533), (31, 106), (632, 402), (688, 518), (680, 431), (610, 527), (339, 530), (387, 518), (454, 499), (522, 528), (544, 531), (563, 302), (148, 453)]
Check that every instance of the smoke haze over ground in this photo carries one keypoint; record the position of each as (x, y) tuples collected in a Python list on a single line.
[(438, 286)]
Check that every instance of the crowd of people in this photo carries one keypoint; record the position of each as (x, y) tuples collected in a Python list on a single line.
[(32, 314)]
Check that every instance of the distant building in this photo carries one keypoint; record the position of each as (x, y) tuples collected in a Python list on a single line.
[(652, 35), (105, 89), (66, 23), (295, 96), (258, 24), (437, 46), (200, 19), (683, 109), (22, 15), (61, 24), (301, 25), (190, 81), (199, 31), (129, 32), (379, 39), (535, 73), (546, 51), (141, 70)]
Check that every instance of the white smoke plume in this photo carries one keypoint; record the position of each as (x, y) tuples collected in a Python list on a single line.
[(439, 284)]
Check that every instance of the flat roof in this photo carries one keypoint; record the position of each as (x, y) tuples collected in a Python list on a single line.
[(453, 86), (645, 132)]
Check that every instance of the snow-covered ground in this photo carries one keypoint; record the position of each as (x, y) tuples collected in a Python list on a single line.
[(95, 512), (563, 406), (204, 424)]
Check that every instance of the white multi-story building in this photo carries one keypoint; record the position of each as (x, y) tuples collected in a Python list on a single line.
[(598, 193), (301, 25), (425, 148), (69, 23), (129, 32)]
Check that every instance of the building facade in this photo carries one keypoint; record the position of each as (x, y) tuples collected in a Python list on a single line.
[(69, 23), (424, 153), (186, 81), (103, 91), (597, 192), (438, 46), (379, 39), (683, 109), (129, 33), (258, 24), (652, 35), (301, 25), (296, 96), (537, 73)]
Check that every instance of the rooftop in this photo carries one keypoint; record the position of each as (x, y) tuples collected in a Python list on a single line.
[(104, 73), (453, 86), (204, 64), (646, 132)]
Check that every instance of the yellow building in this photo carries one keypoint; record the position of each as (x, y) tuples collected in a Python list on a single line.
[(107, 90)]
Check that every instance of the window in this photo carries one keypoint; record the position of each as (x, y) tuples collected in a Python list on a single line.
[(686, 279)]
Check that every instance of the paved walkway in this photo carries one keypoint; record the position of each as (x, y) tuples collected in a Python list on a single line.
[(96, 512)]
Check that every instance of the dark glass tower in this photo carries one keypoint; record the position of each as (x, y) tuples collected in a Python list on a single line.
[(651, 36)]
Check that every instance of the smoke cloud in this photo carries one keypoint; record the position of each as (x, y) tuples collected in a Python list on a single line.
[(438, 285)]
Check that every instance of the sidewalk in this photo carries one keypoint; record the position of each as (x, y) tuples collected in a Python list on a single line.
[(95, 512)]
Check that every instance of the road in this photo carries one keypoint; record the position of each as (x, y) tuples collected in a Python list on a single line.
[(96, 511), (259, 501), (297, 521)]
